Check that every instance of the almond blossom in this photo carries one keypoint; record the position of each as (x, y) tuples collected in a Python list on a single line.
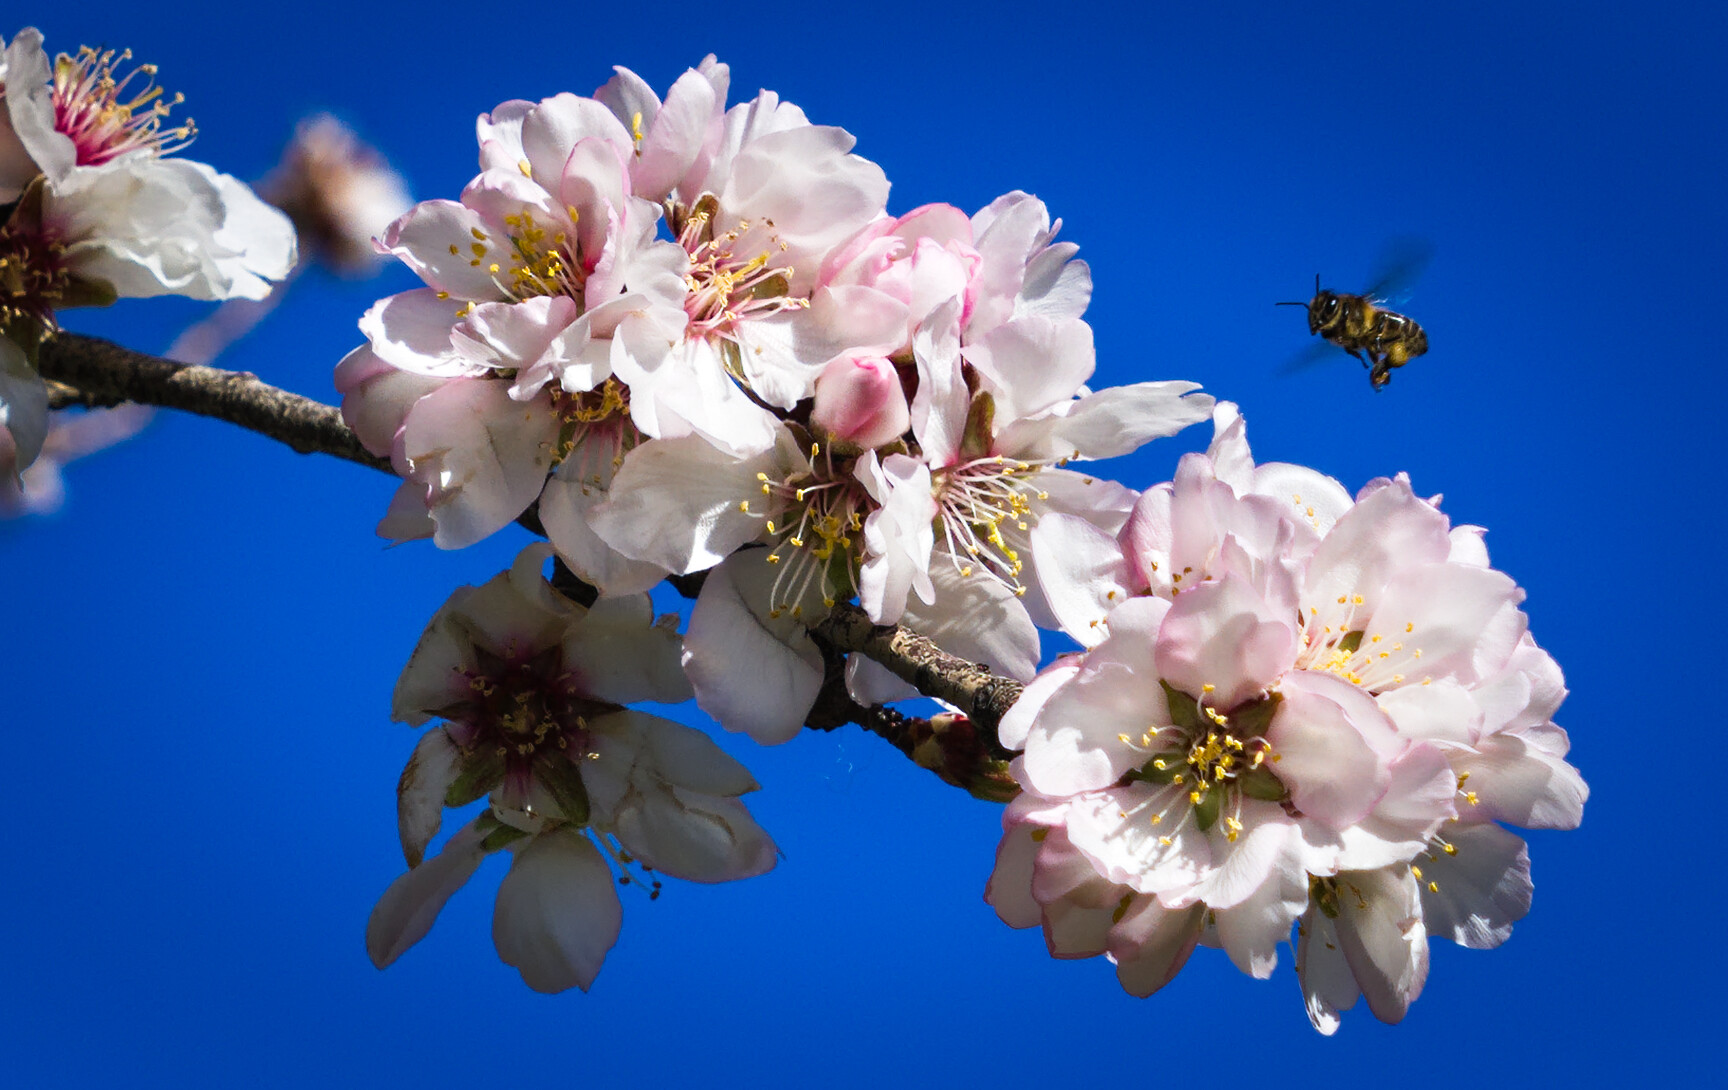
[(531, 689), (758, 198), (96, 213), (1315, 709)]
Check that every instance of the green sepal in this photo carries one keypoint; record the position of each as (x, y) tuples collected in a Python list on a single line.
[(1175, 768), (1252, 720), (1324, 893), (563, 781), (980, 433), (1260, 783), (1184, 710), (501, 837), (1206, 811), (482, 770), (83, 291), (774, 287), (1350, 642)]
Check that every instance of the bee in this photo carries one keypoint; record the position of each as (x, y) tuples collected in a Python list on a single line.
[(1379, 338)]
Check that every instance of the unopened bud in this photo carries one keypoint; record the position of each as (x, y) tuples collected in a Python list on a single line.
[(859, 400)]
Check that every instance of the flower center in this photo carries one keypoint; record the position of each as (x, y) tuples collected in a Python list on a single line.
[(724, 288), (33, 282), (1340, 642), (524, 719), (820, 518), (90, 107), (976, 502), (532, 261), (597, 423), (1218, 758)]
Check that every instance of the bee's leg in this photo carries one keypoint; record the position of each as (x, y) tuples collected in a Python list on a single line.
[(1356, 352), (1380, 375)]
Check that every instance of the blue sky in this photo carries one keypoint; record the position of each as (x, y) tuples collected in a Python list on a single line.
[(202, 646)]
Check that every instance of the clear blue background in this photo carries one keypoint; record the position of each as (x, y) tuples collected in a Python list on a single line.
[(200, 648)]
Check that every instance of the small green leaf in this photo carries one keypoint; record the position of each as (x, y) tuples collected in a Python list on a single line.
[(1206, 811), (1252, 720), (502, 837), (1175, 764), (1184, 710), (563, 781), (482, 770), (1260, 783)]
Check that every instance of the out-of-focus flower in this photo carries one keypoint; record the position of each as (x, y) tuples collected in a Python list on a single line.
[(41, 489), (1317, 709), (339, 192), (531, 689)]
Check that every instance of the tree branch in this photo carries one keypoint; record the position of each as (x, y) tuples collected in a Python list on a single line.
[(101, 373), (981, 695), (963, 749)]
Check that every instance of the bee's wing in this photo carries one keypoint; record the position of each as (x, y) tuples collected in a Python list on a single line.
[(1315, 353), (1402, 261)]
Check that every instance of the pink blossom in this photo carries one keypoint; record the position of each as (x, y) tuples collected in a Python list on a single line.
[(859, 400), (1316, 708)]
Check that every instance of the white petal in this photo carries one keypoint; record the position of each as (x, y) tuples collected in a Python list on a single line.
[(1328, 986), (1152, 943), (1475, 894), (676, 503), (420, 792), (410, 906), (1120, 419), (1380, 931), (619, 654), (753, 673), (694, 836), (557, 912)]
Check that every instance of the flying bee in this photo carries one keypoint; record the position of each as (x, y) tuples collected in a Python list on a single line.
[(1379, 338)]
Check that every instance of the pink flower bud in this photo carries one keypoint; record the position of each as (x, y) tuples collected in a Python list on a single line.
[(859, 400)]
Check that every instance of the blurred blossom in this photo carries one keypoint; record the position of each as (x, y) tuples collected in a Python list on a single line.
[(531, 689), (41, 489), (339, 192)]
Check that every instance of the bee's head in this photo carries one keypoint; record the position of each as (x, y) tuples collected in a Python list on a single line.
[(1321, 308)]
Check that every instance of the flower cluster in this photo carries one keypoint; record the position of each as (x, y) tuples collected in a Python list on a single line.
[(531, 689), (689, 337), (679, 337), (93, 209), (1299, 709)]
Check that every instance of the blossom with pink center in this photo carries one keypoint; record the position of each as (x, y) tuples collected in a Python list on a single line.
[(493, 387), (81, 111), (95, 213), (997, 422), (531, 689)]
